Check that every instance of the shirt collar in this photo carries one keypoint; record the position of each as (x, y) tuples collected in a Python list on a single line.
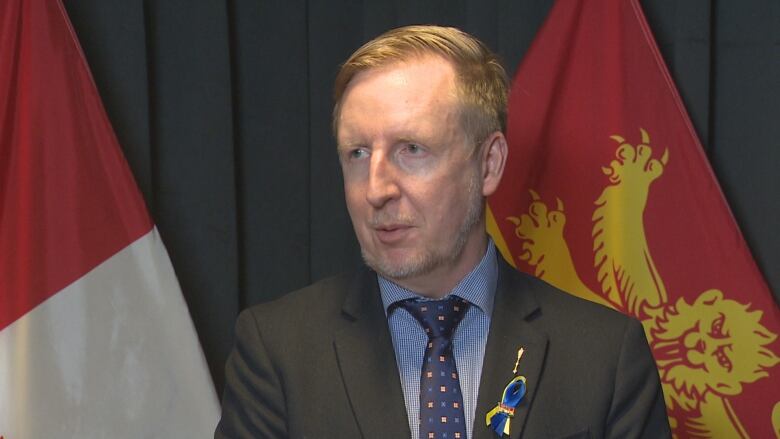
[(478, 287)]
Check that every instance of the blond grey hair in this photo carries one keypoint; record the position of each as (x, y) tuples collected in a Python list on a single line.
[(481, 79)]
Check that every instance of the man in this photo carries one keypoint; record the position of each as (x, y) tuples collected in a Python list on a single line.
[(423, 341)]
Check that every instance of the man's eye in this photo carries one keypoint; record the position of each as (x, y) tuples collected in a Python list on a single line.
[(413, 148), (357, 153)]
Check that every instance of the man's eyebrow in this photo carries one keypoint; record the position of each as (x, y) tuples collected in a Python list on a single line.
[(349, 145)]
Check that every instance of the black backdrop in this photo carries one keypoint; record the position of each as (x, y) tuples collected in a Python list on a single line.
[(223, 111)]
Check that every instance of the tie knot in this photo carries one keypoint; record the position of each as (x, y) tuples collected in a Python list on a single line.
[(439, 318)]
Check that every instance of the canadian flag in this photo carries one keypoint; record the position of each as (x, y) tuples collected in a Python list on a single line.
[(95, 337)]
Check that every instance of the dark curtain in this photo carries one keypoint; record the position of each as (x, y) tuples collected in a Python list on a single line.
[(223, 111)]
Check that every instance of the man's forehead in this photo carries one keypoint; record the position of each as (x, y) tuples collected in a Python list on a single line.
[(417, 82), (409, 132)]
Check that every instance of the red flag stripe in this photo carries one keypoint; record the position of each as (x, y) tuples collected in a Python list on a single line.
[(55, 223)]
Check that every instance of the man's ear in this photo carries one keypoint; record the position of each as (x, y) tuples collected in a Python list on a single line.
[(493, 158)]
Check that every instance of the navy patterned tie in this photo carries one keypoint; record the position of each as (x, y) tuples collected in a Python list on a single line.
[(441, 402)]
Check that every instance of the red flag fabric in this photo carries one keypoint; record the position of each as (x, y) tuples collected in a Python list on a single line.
[(608, 195), (95, 337), (55, 130)]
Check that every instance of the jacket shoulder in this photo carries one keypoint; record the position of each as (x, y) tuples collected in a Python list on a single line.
[(313, 312), (327, 290)]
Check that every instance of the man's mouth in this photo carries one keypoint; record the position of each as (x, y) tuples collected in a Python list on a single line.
[(391, 233)]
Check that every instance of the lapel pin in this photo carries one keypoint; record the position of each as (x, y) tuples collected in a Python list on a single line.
[(499, 418)]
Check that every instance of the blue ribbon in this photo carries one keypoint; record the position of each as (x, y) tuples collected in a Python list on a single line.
[(499, 419)]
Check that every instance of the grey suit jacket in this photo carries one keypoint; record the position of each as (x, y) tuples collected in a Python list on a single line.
[(319, 363)]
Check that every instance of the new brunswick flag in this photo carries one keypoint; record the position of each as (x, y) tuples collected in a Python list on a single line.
[(95, 337), (609, 196)]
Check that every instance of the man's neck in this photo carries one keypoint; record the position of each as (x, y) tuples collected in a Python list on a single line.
[(440, 281)]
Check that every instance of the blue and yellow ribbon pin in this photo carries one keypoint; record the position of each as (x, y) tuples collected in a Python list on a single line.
[(499, 419)]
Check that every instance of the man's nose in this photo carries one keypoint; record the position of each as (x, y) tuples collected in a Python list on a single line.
[(382, 181)]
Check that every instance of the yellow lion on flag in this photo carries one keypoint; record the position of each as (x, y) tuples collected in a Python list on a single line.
[(706, 350)]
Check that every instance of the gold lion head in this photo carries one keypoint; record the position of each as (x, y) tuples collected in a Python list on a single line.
[(713, 345)]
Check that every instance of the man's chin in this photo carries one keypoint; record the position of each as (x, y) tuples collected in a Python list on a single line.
[(401, 266)]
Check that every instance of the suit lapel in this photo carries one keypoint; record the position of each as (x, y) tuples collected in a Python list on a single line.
[(364, 351), (510, 329)]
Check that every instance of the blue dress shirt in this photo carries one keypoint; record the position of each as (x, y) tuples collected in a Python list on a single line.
[(468, 344)]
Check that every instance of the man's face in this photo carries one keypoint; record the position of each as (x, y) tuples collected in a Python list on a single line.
[(411, 175)]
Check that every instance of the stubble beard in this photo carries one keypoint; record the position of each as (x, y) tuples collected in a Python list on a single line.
[(427, 259)]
